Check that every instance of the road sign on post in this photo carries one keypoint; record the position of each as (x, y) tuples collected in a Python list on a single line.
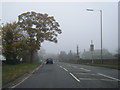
[(92, 49), (78, 57), (91, 46)]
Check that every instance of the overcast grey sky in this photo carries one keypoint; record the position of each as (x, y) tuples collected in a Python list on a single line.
[(78, 26)]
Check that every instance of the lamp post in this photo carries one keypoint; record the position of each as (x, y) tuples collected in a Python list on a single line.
[(101, 29)]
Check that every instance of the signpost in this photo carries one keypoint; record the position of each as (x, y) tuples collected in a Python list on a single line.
[(92, 49)]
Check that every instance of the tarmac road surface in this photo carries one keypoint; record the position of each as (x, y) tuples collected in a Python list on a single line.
[(64, 75)]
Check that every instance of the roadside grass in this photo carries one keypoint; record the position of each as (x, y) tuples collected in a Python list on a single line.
[(11, 72), (102, 65)]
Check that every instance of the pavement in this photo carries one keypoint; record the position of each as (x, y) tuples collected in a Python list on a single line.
[(65, 75)]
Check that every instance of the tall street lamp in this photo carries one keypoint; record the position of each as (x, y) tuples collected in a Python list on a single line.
[(101, 29)]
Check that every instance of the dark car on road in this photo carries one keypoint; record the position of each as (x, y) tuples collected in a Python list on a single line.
[(49, 61)]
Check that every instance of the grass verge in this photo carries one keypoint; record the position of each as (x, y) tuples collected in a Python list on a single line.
[(0, 75), (11, 72), (102, 65)]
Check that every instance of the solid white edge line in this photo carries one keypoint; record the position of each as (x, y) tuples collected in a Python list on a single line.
[(74, 77), (65, 69), (20, 82), (25, 77), (108, 76)]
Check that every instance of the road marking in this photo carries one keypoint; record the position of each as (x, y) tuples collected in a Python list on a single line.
[(61, 66), (75, 66), (20, 82), (79, 68), (108, 77), (37, 68), (85, 69), (65, 69), (79, 73), (107, 80), (88, 79), (95, 79), (26, 77), (86, 74), (74, 77), (69, 65)]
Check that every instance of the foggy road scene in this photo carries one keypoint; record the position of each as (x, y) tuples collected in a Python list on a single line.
[(64, 75), (62, 44)]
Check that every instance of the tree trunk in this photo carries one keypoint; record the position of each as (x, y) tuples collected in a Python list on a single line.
[(31, 56)]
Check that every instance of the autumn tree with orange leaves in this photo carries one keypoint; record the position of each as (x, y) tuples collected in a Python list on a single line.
[(27, 34)]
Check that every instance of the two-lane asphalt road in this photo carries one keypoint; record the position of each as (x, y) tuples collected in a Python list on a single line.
[(64, 75)]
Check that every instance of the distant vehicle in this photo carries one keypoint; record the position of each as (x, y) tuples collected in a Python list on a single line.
[(49, 61)]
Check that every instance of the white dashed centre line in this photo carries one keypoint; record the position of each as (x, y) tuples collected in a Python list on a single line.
[(65, 69), (61, 66), (74, 77)]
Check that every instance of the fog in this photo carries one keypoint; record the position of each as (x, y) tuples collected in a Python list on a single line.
[(78, 26)]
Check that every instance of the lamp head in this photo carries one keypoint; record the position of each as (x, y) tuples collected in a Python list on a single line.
[(89, 9)]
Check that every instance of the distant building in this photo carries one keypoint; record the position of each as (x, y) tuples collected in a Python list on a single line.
[(97, 54)]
